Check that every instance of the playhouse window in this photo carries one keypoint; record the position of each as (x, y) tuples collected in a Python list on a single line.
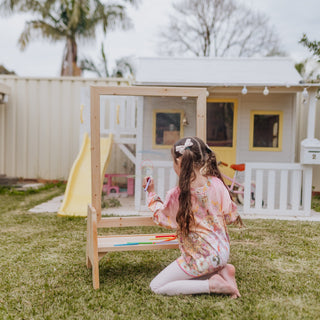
[(167, 127), (266, 131), (220, 120)]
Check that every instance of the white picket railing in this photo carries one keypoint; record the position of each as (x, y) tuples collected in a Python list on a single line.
[(281, 189), (164, 176)]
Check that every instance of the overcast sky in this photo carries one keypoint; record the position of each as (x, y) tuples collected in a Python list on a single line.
[(290, 18)]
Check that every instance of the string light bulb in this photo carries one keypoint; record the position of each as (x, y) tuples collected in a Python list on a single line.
[(266, 91), (244, 90), (305, 95)]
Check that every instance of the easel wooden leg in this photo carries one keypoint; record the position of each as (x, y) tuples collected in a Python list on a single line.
[(88, 262), (95, 274), (92, 258)]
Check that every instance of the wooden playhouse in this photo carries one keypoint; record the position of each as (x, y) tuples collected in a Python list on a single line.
[(245, 109), (251, 117)]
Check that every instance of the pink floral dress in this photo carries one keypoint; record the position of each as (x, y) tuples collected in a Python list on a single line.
[(206, 248)]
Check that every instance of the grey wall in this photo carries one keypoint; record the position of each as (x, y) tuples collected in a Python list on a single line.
[(153, 103), (276, 102)]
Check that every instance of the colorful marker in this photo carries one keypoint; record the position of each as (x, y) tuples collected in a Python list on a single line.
[(132, 244), (137, 243), (166, 236), (148, 183)]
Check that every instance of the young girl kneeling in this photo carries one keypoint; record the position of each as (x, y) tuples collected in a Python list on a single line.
[(200, 208)]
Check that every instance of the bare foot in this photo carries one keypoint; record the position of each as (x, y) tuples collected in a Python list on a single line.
[(228, 274), (218, 285)]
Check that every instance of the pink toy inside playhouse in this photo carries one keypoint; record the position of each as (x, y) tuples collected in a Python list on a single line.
[(112, 188)]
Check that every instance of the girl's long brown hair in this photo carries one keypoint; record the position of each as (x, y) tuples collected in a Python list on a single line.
[(198, 156)]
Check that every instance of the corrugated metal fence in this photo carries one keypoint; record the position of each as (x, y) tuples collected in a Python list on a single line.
[(40, 125)]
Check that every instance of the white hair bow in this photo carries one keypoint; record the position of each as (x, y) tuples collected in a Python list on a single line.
[(182, 148)]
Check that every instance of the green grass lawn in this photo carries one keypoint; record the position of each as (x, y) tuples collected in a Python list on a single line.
[(43, 272), (316, 203)]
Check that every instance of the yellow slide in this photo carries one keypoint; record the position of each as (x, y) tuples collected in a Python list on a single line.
[(78, 191)]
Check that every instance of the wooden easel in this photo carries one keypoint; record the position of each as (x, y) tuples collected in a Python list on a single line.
[(98, 246)]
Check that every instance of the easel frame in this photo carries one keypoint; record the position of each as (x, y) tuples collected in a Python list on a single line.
[(96, 92), (98, 246)]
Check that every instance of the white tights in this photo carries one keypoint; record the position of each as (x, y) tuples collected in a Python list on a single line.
[(173, 281)]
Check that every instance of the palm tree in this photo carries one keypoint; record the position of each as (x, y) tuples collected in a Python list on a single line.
[(123, 66), (69, 21)]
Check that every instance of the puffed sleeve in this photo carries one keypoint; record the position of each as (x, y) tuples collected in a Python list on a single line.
[(229, 208), (164, 214)]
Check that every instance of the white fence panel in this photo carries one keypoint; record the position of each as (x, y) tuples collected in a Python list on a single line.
[(295, 189), (283, 189), (274, 183), (271, 189), (159, 170), (259, 188)]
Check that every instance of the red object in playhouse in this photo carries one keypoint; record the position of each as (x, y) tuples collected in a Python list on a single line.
[(108, 187)]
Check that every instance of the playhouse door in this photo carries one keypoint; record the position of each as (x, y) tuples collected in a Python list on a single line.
[(222, 130)]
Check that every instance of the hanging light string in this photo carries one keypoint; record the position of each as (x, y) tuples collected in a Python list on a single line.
[(305, 94), (244, 90)]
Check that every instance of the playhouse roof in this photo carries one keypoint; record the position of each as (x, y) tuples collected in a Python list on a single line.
[(272, 71)]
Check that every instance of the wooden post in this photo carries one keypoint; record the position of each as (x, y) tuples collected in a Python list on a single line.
[(92, 246), (202, 116), (312, 115), (139, 146), (95, 152)]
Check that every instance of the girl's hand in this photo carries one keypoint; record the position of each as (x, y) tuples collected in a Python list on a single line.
[(145, 182)]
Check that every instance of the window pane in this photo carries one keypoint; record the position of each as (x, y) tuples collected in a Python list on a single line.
[(220, 124), (167, 128), (266, 131)]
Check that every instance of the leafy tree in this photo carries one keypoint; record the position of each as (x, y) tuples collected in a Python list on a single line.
[(4, 70), (313, 46), (123, 67), (69, 21), (218, 28), (309, 69)]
